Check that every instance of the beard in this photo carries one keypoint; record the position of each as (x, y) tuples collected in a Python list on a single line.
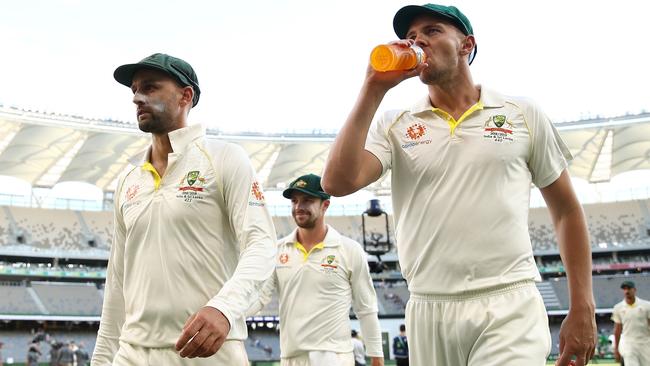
[(156, 119), (307, 223), (155, 123), (439, 74)]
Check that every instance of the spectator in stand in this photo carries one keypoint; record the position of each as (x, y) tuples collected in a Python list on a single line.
[(1, 357), (81, 355), (67, 355), (55, 353), (33, 354), (401, 347)]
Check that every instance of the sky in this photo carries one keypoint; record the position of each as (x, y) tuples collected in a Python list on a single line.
[(297, 65)]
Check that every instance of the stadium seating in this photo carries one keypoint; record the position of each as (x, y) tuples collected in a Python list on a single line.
[(607, 290), (610, 225), (16, 299), (49, 229), (62, 298), (100, 224)]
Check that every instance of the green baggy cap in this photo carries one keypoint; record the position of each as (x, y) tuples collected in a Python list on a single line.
[(404, 17), (628, 284), (308, 184), (177, 68)]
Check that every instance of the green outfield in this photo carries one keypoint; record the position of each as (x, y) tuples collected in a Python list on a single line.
[(606, 362)]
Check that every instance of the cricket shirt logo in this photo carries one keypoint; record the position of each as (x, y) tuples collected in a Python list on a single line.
[(329, 264), (414, 133), (192, 176), (495, 131), (192, 186), (129, 196), (256, 197), (132, 191)]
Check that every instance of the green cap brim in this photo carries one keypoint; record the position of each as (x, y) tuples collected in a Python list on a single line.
[(124, 75), (287, 193)]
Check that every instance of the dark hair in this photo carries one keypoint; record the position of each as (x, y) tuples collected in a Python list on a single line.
[(402, 328)]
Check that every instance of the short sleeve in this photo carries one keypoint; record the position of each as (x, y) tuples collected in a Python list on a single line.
[(616, 317), (378, 141), (549, 154)]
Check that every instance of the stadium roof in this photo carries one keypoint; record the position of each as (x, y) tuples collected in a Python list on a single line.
[(45, 149)]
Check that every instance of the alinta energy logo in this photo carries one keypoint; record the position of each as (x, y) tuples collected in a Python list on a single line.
[(132, 191), (257, 195), (414, 133)]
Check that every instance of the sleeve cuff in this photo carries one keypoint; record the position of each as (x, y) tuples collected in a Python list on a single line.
[(223, 308)]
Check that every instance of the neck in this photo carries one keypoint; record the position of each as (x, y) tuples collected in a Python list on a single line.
[(160, 148), (310, 237), (455, 98)]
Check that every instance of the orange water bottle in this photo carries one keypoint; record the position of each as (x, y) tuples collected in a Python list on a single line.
[(389, 57)]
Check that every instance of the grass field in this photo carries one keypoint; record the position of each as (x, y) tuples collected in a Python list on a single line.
[(595, 362), (387, 363)]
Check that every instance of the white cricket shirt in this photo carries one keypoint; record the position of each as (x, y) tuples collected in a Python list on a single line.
[(461, 189), (200, 235), (316, 290), (634, 319)]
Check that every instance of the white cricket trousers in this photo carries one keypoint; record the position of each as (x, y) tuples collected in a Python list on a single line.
[(320, 358), (636, 354), (232, 353), (500, 326)]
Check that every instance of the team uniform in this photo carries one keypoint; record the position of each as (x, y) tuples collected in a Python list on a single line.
[(316, 290), (634, 345), (461, 192), (401, 350), (201, 235)]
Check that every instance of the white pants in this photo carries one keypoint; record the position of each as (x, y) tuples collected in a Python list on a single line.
[(232, 353), (506, 325), (636, 354), (320, 358)]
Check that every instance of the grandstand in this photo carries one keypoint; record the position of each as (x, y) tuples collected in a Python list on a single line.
[(53, 253)]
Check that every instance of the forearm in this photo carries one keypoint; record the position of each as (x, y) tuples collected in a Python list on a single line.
[(254, 267), (575, 251), (617, 336), (372, 334), (346, 153), (264, 297), (110, 326)]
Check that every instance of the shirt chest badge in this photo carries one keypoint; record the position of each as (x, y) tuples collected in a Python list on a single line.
[(130, 195), (192, 186), (256, 197), (498, 129), (132, 191), (329, 264), (415, 135)]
